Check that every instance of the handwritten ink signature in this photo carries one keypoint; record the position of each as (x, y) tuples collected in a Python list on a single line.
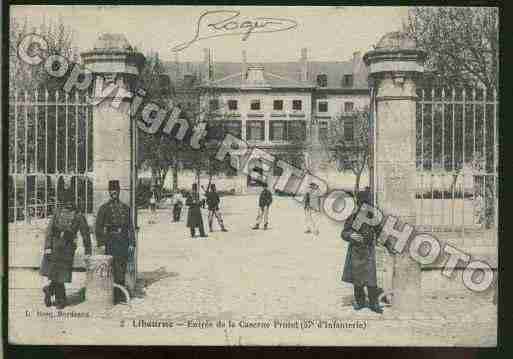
[(227, 23)]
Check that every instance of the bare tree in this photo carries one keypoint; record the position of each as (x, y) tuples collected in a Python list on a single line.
[(461, 42), (59, 38), (350, 151), (159, 152)]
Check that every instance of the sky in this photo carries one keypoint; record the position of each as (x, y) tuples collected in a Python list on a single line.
[(329, 33)]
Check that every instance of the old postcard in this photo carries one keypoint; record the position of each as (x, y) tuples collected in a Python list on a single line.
[(247, 175)]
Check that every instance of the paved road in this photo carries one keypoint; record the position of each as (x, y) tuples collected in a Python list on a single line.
[(278, 274)]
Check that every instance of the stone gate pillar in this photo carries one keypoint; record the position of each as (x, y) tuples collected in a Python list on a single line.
[(113, 63), (395, 66)]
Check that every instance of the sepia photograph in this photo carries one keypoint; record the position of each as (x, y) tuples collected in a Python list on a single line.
[(252, 175)]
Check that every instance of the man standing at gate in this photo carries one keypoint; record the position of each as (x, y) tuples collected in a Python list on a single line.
[(115, 230)]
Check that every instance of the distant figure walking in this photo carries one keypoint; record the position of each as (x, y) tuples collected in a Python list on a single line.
[(213, 202), (177, 202), (153, 207), (194, 219), (264, 202), (312, 209)]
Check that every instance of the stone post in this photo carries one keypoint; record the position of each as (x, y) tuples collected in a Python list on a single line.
[(113, 62), (395, 66), (115, 67), (100, 283)]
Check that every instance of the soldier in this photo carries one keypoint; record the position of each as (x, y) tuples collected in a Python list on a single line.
[(115, 230), (312, 208), (264, 202), (194, 219), (213, 201), (59, 249), (360, 264), (153, 207), (177, 202)]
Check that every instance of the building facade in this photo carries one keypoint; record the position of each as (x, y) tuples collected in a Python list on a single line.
[(279, 107)]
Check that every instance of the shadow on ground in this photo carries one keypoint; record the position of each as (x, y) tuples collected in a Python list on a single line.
[(144, 280)]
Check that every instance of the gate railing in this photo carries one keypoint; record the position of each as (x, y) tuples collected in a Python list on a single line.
[(457, 156), (50, 150)]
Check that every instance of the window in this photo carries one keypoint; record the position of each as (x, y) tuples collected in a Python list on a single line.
[(278, 105), (214, 105), (232, 105), (297, 105), (348, 106), (255, 130), (255, 105), (277, 131), (215, 132), (347, 81), (349, 129), (323, 131), (322, 80), (233, 127), (323, 106), (296, 130)]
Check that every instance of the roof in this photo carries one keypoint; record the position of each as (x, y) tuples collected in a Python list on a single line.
[(278, 73), (269, 80), (108, 41)]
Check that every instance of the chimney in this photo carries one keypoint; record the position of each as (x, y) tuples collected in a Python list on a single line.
[(208, 67), (244, 69), (177, 66), (359, 70), (188, 80), (303, 61)]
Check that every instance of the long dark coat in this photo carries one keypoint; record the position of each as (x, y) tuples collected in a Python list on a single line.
[(194, 218), (61, 240), (111, 216), (360, 264)]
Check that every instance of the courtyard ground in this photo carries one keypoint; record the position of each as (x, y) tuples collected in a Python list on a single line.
[(248, 276)]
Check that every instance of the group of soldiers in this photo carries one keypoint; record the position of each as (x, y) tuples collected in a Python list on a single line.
[(114, 231), (213, 201)]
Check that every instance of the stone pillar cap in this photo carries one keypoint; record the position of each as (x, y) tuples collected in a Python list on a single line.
[(112, 53), (395, 52)]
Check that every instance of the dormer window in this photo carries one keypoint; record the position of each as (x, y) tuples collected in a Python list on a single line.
[(323, 106), (278, 105), (347, 81), (214, 105), (232, 105), (255, 105), (322, 80)]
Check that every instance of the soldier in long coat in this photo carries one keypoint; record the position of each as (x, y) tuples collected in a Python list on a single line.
[(360, 264), (115, 230), (59, 249), (194, 218)]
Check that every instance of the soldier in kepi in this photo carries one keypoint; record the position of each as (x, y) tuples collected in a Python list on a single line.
[(213, 201), (59, 249), (115, 230), (360, 264), (194, 218)]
